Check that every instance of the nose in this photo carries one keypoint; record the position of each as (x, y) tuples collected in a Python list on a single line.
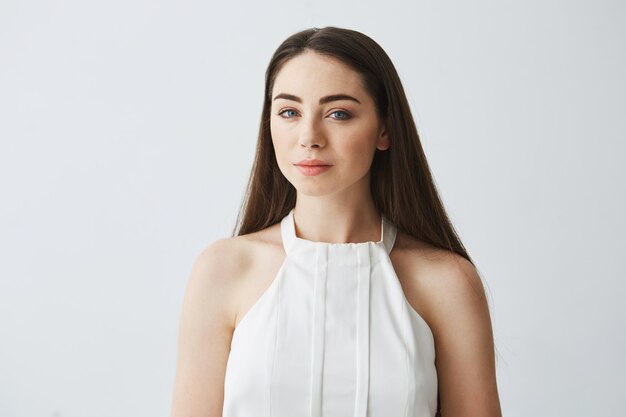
[(311, 134)]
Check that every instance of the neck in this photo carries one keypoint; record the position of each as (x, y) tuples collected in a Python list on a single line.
[(320, 220)]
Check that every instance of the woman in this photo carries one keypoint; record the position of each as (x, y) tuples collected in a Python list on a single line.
[(346, 290)]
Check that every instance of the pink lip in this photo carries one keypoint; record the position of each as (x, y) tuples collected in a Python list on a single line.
[(311, 167), (313, 162)]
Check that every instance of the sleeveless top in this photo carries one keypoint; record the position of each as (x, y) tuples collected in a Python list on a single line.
[(333, 335)]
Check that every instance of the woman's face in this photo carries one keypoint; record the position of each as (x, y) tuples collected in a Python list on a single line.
[(320, 110)]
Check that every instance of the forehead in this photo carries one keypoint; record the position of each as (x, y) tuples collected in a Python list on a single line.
[(311, 75)]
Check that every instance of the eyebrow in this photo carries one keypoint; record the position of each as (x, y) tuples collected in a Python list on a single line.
[(323, 100)]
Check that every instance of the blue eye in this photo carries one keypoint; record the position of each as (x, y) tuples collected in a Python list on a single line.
[(284, 111), (345, 116)]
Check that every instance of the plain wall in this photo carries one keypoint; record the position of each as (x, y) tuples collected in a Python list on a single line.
[(127, 132)]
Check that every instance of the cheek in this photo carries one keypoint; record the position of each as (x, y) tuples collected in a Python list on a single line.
[(282, 151), (278, 139), (359, 149)]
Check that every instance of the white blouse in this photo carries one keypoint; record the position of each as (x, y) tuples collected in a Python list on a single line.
[(333, 336)]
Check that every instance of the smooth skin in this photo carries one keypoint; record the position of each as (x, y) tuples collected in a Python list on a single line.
[(336, 206)]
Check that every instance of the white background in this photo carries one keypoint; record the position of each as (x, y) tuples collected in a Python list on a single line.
[(127, 134)]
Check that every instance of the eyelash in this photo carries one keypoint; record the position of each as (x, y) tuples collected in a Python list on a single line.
[(346, 117)]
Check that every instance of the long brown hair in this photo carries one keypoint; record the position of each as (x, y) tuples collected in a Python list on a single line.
[(401, 184)]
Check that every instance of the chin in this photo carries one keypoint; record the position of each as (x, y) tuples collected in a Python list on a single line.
[(315, 188), (313, 191)]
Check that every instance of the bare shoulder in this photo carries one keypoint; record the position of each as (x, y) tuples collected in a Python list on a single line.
[(219, 280), (447, 291), (221, 261), (229, 264), (205, 330), (230, 258), (437, 282), (241, 268)]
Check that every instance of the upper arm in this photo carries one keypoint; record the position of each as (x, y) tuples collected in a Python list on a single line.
[(205, 332), (465, 359)]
